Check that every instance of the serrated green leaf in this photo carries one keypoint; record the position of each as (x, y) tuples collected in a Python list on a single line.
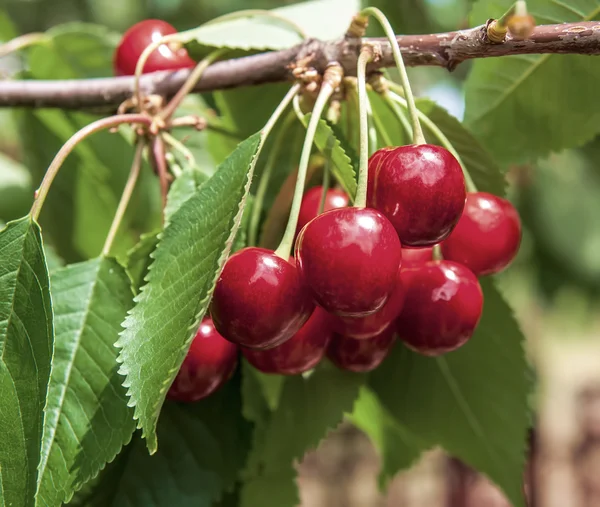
[(512, 103), (16, 192), (398, 448), (472, 402), (307, 410), (182, 189), (138, 260), (187, 262), (321, 19), (485, 172), (87, 419), (342, 166), (26, 340)]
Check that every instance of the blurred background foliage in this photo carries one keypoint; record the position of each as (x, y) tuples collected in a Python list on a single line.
[(558, 196)]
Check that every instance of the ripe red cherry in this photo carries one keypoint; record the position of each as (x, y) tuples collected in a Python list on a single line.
[(487, 236), (302, 352), (209, 363), (414, 256), (442, 307), (360, 355), (259, 300), (421, 190), (375, 162), (137, 38), (349, 258), (311, 202), (363, 328)]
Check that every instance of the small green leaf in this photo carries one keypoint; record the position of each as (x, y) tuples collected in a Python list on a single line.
[(16, 192), (525, 106), (26, 341), (187, 262), (472, 402), (87, 419), (137, 261), (330, 145), (398, 448), (486, 174)]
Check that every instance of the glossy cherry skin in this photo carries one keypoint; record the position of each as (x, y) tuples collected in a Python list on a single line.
[(349, 258), (360, 355), (137, 38), (302, 352), (311, 202), (375, 162), (209, 363), (415, 256), (259, 300), (442, 308), (421, 190), (364, 328), (487, 236)]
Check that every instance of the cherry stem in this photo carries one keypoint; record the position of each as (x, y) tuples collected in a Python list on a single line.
[(325, 186), (190, 82), (440, 136), (398, 113), (331, 80), (125, 197), (418, 137), (263, 184), (159, 162), (176, 144), (436, 254), (139, 66), (519, 8), (366, 56), (67, 148), (21, 42)]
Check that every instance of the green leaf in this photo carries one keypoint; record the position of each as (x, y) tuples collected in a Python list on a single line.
[(307, 410), (87, 419), (388, 121), (398, 448), (485, 172), (137, 261), (187, 262), (321, 19), (16, 192), (182, 189), (330, 145), (26, 340), (472, 402), (512, 102)]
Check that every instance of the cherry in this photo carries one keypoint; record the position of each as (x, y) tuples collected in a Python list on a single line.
[(442, 307), (421, 190), (138, 37), (415, 256), (302, 352), (259, 300), (209, 363), (360, 355), (362, 328), (373, 168), (487, 236), (311, 202), (349, 257)]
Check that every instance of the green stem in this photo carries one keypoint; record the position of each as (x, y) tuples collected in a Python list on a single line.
[(297, 109), (387, 140), (21, 42), (263, 185), (398, 113), (190, 82), (325, 186), (366, 55), (176, 144), (441, 137), (517, 6), (327, 89), (125, 197), (436, 255), (69, 146), (418, 137)]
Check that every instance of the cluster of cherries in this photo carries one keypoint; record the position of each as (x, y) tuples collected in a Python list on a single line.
[(360, 277)]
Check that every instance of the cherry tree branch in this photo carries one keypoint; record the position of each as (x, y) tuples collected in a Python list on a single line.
[(443, 49)]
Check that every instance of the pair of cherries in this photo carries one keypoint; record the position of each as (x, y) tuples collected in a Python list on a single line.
[(348, 261)]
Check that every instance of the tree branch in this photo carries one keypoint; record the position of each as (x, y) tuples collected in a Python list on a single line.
[(443, 49)]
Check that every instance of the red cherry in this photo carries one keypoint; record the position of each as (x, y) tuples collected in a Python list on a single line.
[(349, 257), (487, 236), (209, 363), (137, 38), (362, 328), (302, 352), (360, 355), (421, 190), (311, 202), (259, 300), (415, 256), (442, 307), (375, 162)]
